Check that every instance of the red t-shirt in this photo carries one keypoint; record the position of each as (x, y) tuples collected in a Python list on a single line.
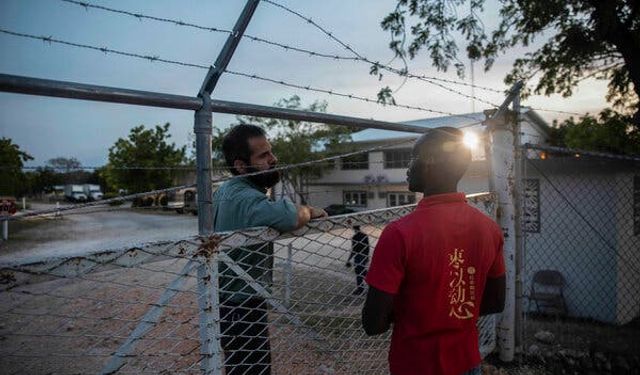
[(436, 261)]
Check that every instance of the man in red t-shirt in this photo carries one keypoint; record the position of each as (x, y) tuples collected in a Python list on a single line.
[(436, 270)]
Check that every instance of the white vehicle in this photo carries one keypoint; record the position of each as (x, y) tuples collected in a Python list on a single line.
[(74, 193), (92, 192)]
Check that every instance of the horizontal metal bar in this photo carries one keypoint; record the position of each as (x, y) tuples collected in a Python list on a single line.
[(73, 90), (221, 106)]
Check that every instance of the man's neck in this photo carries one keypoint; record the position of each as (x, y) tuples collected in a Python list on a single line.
[(440, 190)]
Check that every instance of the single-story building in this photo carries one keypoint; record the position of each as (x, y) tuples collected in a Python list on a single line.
[(377, 179)]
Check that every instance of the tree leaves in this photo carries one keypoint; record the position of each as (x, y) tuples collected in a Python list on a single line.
[(145, 148), (584, 39), (609, 131), (385, 96), (12, 179)]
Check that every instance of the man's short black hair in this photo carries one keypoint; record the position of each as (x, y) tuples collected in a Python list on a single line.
[(444, 147), (235, 145)]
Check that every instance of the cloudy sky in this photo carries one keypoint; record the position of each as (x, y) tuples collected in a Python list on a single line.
[(51, 127)]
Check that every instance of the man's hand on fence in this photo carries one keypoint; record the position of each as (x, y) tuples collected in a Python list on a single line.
[(318, 213)]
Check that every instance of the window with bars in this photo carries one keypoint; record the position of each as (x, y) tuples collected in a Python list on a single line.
[(358, 161), (397, 159), (400, 198), (355, 198)]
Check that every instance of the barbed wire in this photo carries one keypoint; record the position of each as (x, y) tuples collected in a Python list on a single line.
[(343, 95), (141, 16), (357, 57), (152, 58), (404, 73), (218, 180), (172, 206), (84, 167), (558, 111), (574, 151), (387, 67), (105, 50)]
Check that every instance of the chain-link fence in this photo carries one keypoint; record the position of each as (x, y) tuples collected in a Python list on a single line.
[(581, 226), (294, 305)]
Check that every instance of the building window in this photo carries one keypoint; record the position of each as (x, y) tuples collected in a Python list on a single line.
[(358, 161), (397, 159), (531, 205), (636, 205), (400, 199), (355, 198)]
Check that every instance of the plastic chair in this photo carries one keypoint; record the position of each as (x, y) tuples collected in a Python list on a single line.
[(547, 291)]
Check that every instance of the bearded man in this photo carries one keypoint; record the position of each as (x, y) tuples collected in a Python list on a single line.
[(239, 203)]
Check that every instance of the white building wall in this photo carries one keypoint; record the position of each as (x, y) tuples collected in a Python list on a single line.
[(568, 244)]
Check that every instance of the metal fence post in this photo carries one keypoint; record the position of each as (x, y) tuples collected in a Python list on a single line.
[(208, 303), (502, 157), (5, 230), (208, 297), (519, 245), (288, 269)]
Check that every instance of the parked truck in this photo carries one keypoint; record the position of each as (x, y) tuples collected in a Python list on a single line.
[(93, 192), (74, 193)]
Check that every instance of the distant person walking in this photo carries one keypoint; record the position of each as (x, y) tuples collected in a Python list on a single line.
[(360, 256)]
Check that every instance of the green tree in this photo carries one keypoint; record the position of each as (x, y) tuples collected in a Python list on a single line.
[(607, 132), (144, 148), (12, 180), (582, 38), (43, 179), (294, 141), (62, 164)]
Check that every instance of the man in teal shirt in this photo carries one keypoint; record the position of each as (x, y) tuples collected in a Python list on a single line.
[(238, 204)]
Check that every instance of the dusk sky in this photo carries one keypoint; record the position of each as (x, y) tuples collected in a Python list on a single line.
[(51, 127)]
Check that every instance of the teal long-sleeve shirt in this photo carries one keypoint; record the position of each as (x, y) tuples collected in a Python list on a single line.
[(240, 204)]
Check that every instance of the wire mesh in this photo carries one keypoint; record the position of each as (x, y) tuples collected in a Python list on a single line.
[(287, 301), (581, 225)]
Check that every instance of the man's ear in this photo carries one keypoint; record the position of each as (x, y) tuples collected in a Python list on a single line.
[(240, 166)]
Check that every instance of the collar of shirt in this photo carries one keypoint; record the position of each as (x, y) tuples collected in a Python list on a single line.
[(433, 200), (248, 182)]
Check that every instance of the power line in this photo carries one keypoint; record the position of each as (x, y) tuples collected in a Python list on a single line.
[(246, 75)]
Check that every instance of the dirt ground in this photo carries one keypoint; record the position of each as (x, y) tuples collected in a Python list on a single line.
[(74, 325)]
